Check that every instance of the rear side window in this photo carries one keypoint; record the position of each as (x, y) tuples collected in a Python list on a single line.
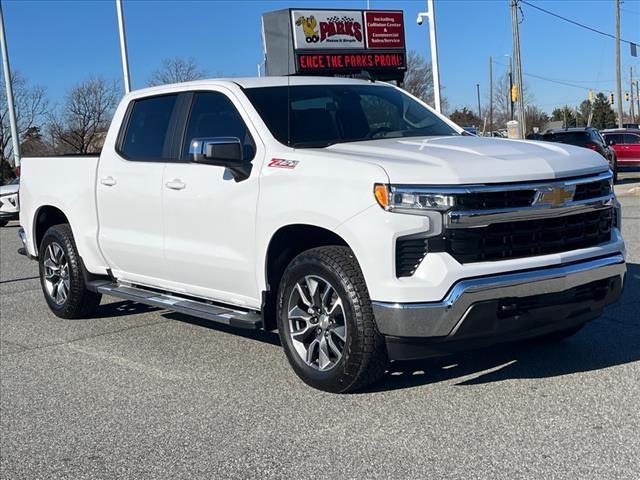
[(630, 138), (572, 138), (147, 136)]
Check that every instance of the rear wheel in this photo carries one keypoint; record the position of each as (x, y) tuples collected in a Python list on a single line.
[(3, 223), (326, 323), (62, 275)]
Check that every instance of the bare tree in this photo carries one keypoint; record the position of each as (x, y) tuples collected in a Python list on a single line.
[(502, 100), (82, 122), (418, 80), (176, 70), (31, 107)]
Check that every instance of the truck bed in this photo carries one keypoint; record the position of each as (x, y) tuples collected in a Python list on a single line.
[(66, 183)]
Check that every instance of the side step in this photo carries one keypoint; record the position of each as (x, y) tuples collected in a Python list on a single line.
[(216, 313)]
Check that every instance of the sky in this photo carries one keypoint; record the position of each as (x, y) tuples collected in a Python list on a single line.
[(57, 44)]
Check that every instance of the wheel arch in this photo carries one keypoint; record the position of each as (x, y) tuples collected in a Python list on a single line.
[(285, 244), (46, 217)]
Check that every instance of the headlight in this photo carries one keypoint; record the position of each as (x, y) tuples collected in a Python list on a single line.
[(408, 200)]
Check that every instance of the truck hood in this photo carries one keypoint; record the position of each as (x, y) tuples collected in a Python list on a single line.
[(457, 160)]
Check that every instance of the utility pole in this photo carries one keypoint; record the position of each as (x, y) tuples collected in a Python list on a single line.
[(638, 96), (123, 48), (490, 96), (479, 110), (632, 109), (435, 70), (618, 73), (518, 64), (6, 69)]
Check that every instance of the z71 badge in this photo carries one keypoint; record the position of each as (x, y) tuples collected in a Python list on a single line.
[(281, 163)]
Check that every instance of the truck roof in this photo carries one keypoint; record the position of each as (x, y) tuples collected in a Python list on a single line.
[(253, 82)]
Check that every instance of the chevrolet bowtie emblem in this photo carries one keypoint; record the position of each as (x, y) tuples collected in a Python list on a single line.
[(556, 196)]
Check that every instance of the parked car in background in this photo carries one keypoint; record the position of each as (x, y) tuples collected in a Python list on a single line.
[(9, 206), (587, 137), (626, 143)]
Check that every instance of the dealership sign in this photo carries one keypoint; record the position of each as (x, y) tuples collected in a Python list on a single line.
[(322, 29), (335, 42)]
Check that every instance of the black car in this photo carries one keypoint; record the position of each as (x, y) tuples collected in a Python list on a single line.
[(587, 137)]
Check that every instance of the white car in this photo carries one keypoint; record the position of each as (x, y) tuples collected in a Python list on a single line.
[(347, 214), (9, 205)]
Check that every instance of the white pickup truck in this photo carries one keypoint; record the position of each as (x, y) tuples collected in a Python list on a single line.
[(347, 214)]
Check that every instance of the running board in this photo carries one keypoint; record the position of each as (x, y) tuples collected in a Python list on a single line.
[(216, 313)]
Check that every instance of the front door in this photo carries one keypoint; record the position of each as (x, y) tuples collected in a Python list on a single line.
[(209, 217)]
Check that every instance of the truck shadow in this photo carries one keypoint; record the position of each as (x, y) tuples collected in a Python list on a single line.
[(613, 339), (121, 308)]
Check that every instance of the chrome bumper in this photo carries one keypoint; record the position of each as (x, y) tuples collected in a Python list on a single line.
[(439, 319)]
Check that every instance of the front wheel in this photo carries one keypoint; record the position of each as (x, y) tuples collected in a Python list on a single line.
[(62, 275), (326, 322), (3, 223)]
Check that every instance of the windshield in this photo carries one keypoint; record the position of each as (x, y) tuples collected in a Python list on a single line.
[(322, 115)]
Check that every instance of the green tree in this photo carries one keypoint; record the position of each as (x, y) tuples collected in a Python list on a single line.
[(466, 118), (603, 115), (566, 114), (583, 113)]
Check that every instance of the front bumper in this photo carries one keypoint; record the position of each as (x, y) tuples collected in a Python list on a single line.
[(9, 215), (513, 304)]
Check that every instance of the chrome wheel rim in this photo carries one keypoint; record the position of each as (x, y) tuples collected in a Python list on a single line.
[(317, 323), (56, 273)]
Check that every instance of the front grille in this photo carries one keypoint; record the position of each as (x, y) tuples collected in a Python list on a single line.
[(502, 241), (495, 200), (410, 251), (586, 191)]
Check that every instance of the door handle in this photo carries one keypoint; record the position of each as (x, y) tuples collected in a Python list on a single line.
[(108, 181), (176, 184)]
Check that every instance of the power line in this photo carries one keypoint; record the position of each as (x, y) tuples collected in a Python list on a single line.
[(574, 22), (547, 79)]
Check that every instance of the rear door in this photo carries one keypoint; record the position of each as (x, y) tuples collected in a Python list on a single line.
[(209, 216), (129, 190), (632, 147)]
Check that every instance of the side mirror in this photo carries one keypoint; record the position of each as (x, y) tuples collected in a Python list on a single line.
[(223, 152)]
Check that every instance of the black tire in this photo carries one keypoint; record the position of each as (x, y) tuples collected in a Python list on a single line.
[(79, 301), (3, 223), (561, 334), (364, 358)]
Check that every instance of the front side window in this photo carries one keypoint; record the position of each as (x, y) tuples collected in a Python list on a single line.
[(213, 115), (147, 135), (618, 138), (316, 116)]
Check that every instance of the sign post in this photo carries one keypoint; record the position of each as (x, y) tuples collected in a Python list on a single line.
[(6, 69)]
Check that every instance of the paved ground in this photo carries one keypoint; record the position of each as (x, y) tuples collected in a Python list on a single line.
[(140, 393)]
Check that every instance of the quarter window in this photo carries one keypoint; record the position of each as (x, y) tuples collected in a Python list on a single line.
[(147, 136)]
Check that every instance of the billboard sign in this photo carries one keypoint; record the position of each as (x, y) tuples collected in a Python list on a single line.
[(343, 42), (327, 29)]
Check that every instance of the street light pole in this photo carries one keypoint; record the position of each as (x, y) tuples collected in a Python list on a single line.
[(435, 71), (479, 110), (8, 85), (123, 48), (518, 64), (510, 98), (618, 72)]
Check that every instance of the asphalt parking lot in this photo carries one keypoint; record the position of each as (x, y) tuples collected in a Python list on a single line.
[(141, 393)]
